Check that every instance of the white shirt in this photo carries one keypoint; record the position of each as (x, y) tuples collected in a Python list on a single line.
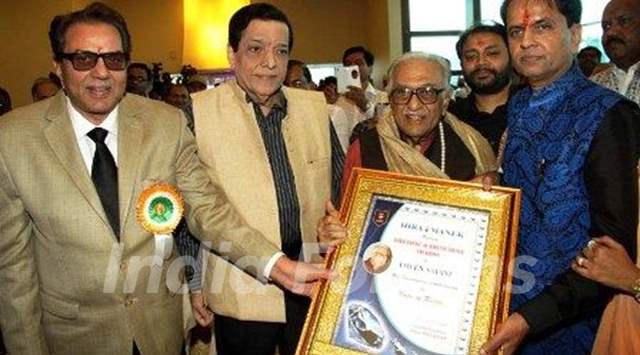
[(342, 124), (374, 98), (626, 83), (82, 126)]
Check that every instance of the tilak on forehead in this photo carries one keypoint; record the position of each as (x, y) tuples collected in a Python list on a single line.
[(525, 11), (526, 16)]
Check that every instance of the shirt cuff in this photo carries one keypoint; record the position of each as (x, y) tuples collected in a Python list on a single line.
[(267, 269)]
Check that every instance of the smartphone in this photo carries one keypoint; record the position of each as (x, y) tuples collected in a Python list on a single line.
[(347, 76)]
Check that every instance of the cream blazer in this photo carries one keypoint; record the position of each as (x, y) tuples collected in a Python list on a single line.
[(68, 286), (232, 150)]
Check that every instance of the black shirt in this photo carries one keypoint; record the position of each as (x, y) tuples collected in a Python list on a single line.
[(490, 125)]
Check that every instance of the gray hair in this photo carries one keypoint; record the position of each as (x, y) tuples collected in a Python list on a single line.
[(444, 64)]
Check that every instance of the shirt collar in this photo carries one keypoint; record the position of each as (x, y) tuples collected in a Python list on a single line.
[(556, 90), (279, 101), (632, 69), (82, 126), (370, 91)]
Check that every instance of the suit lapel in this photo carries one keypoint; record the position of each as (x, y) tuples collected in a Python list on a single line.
[(130, 135), (61, 138)]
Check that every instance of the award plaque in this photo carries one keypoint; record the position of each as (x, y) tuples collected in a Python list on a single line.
[(425, 269)]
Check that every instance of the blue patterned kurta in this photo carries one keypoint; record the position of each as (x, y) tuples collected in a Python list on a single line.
[(550, 132)]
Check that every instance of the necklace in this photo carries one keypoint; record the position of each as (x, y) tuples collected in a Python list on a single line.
[(443, 147)]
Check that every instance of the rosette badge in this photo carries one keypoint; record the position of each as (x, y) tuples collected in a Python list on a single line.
[(160, 208)]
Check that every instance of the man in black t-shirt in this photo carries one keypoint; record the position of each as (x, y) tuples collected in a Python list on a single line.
[(486, 68)]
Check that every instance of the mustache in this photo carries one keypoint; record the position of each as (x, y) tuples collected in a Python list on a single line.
[(612, 39), (418, 112), (475, 72)]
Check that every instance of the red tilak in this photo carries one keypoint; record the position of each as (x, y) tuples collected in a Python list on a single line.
[(526, 16)]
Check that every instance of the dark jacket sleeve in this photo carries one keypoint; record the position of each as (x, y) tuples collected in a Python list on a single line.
[(337, 165), (611, 180)]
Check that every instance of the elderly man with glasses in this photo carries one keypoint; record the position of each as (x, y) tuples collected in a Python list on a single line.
[(417, 135)]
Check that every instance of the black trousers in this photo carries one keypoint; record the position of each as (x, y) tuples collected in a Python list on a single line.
[(2, 348), (237, 337)]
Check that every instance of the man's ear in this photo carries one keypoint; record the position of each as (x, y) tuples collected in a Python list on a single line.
[(231, 57), (57, 67), (447, 98), (576, 37)]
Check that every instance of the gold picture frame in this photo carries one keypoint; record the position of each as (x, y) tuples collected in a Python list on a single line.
[(381, 205)]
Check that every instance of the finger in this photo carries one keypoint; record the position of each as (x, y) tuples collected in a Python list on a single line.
[(209, 318), (331, 210), (199, 318), (334, 229), (589, 251), (609, 242), (582, 262), (580, 270), (303, 288), (487, 183), (328, 221), (313, 272), (334, 243), (492, 345), (205, 322), (508, 349)]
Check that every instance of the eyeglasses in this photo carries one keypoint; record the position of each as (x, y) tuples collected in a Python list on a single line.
[(84, 60), (426, 94)]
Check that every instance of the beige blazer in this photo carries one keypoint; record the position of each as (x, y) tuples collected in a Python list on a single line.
[(233, 152), (68, 286)]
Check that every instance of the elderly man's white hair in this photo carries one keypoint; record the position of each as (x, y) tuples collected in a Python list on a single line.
[(442, 62)]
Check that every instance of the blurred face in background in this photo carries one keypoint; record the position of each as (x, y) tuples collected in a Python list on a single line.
[(485, 63), (138, 82), (295, 78), (621, 32), (357, 58), (44, 90), (178, 96), (588, 59)]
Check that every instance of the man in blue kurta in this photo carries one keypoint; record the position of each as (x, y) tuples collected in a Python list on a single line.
[(572, 148)]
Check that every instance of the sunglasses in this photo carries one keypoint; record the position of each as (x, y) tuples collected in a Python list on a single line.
[(84, 60)]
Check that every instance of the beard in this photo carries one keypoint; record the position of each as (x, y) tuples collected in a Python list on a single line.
[(499, 82)]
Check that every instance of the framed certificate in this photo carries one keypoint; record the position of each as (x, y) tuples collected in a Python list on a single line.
[(425, 268)]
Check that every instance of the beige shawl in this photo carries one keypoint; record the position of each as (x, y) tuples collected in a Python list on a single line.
[(403, 158)]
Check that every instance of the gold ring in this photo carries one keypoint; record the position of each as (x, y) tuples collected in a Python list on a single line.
[(592, 243)]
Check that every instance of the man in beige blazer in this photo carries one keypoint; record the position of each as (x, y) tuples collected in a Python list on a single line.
[(276, 158), (77, 273)]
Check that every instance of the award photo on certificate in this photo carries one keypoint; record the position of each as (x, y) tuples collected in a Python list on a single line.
[(424, 269)]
